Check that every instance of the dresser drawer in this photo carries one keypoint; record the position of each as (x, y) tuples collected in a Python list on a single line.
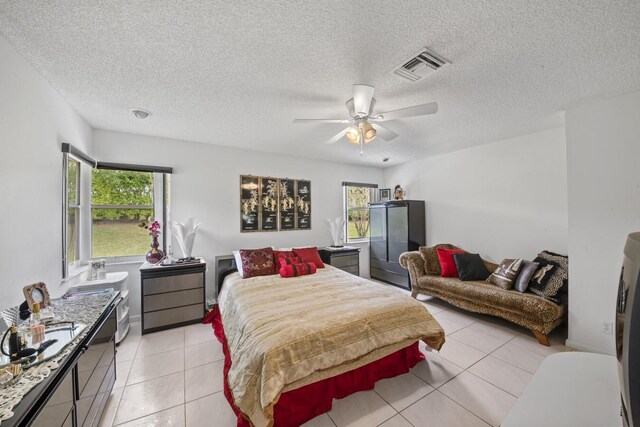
[(172, 316), (345, 260), (353, 269), (158, 285), (173, 299)]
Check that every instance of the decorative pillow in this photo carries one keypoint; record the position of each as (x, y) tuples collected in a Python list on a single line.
[(430, 257), (547, 280), (238, 260), (447, 264), (257, 262), (506, 273), (563, 265), (282, 253), (309, 255), (524, 277), (288, 261), (470, 267), (295, 270)]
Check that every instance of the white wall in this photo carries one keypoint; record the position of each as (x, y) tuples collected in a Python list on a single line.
[(205, 184), (34, 120), (504, 199), (603, 155)]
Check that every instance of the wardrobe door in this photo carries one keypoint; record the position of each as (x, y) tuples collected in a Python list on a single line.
[(398, 231), (378, 232)]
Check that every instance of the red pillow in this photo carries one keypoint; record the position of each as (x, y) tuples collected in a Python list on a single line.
[(277, 255), (309, 255), (257, 262), (447, 264), (287, 261), (295, 270)]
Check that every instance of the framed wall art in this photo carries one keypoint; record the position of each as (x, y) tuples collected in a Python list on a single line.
[(303, 205), (287, 204), (249, 203), (268, 204), (385, 194)]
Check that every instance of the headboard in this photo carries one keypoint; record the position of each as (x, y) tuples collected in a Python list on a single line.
[(224, 264)]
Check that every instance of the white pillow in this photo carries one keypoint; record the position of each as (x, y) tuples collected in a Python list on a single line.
[(236, 255)]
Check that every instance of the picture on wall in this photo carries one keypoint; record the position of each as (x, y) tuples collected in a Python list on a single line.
[(249, 203), (287, 204), (268, 204), (303, 205)]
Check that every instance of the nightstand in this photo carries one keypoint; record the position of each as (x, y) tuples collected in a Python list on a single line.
[(346, 258)]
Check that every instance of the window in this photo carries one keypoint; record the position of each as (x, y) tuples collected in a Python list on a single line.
[(357, 197), (72, 243)]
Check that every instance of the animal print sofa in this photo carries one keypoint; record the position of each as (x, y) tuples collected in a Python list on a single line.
[(528, 310)]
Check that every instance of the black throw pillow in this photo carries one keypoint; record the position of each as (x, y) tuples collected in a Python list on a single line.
[(470, 267), (547, 280)]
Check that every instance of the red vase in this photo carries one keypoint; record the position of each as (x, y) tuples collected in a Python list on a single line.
[(155, 255)]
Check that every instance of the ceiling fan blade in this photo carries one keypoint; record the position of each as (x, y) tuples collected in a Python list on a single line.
[(417, 110), (321, 121), (362, 95), (337, 138), (383, 132)]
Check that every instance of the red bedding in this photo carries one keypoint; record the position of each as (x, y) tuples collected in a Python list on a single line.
[(295, 407)]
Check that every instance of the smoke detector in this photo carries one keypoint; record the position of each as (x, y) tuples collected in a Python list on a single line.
[(140, 113), (419, 65)]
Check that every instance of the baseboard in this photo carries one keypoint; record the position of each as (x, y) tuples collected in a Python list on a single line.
[(134, 319), (585, 347)]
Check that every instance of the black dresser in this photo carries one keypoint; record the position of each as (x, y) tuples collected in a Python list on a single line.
[(172, 296), (345, 258), (76, 393), (396, 226)]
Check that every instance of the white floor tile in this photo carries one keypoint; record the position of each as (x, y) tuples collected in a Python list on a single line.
[(501, 374), (156, 365), (436, 370), (201, 354), (460, 353), (478, 396), (397, 421), (320, 421), (530, 343), (362, 409), (122, 373), (437, 410), (479, 339), (403, 390), (149, 397), (127, 348), (204, 380), (519, 357), (450, 326), (172, 417), (111, 408), (212, 410), (457, 316), (198, 333), (495, 328), (160, 342)]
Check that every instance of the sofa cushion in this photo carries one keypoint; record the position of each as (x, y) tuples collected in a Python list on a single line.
[(470, 267), (563, 265), (505, 275), (547, 280), (430, 256), (494, 300), (524, 277), (447, 264)]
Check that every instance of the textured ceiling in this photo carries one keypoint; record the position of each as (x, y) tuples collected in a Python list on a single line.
[(237, 72)]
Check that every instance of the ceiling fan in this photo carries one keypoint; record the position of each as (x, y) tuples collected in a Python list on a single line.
[(360, 109)]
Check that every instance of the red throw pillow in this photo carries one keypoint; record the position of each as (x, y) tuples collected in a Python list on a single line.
[(309, 255), (447, 264), (295, 270), (277, 255), (288, 261), (257, 262)]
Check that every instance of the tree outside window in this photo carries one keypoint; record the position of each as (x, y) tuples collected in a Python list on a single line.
[(357, 199)]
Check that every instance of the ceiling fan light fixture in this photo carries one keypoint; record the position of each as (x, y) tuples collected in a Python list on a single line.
[(353, 135), (368, 132)]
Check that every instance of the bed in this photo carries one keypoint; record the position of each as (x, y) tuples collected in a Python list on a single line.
[(293, 345)]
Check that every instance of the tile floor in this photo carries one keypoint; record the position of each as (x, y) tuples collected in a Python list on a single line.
[(174, 378)]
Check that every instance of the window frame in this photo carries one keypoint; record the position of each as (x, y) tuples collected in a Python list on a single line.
[(373, 195), (67, 206), (159, 205)]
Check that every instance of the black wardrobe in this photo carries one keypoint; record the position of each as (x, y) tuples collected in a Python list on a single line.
[(396, 226)]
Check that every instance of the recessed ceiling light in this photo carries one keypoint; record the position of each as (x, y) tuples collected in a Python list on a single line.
[(140, 113)]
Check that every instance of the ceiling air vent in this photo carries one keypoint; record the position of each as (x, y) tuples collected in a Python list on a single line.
[(419, 65)]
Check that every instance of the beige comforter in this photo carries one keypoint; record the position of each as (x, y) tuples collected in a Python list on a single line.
[(286, 333)]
